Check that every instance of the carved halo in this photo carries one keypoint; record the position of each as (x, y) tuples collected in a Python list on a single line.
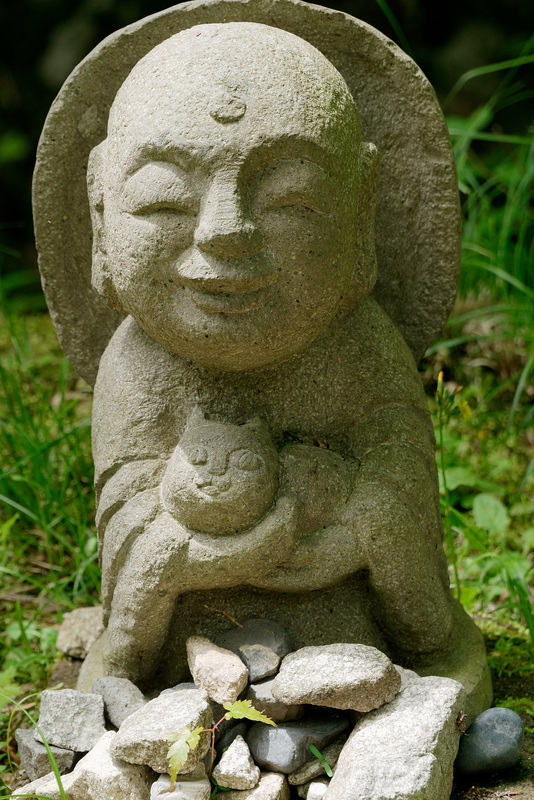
[(418, 219)]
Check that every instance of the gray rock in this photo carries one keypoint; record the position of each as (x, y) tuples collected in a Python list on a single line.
[(261, 697), (34, 758), (272, 786), (236, 769), (216, 670), (71, 719), (238, 729), (285, 748), (313, 790), (187, 787), (98, 776), (143, 736), (256, 631), (260, 661), (337, 676), (79, 630), (404, 750), (492, 742), (121, 698), (314, 768)]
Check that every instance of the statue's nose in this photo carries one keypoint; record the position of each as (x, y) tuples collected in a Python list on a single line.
[(223, 228)]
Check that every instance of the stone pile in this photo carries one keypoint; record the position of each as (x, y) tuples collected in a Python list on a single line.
[(316, 695)]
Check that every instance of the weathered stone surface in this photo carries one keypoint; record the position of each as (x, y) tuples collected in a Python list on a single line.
[(98, 776), (256, 631), (216, 670), (34, 758), (337, 676), (79, 630), (71, 719), (272, 786), (285, 748), (48, 787), (313, 790), (238, 729), (121, 698), (185, 788), (260, 661), (314, 768), (143, 736), (405, 749), (236, 769), (492, 742), (261, 697)]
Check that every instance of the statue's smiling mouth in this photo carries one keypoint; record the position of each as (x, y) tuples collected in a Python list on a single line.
[(238, 302)]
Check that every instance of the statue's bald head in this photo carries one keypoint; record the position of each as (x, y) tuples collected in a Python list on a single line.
[(258, 78)]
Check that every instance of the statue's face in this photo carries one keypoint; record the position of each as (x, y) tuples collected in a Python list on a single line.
[(229, 199)]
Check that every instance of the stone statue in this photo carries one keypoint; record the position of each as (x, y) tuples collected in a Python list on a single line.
[(261, 437)]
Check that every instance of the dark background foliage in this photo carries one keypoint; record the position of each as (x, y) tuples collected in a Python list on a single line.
[(43, 40)]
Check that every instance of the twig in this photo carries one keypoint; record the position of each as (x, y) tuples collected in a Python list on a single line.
[(224, 613)]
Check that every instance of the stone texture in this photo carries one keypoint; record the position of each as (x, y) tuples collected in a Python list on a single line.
[(34, 758), (404, 750), (143, 736), (79, 630), (98, 776), (256, 631), (310, 353), (216, 670), (337, 676), (260, 661), (261, 697), (272, 786), (236, 769), (285, 748), (492, 742), (185, 788), (121, 698), (314, 768), (71, 719), (238, 729)]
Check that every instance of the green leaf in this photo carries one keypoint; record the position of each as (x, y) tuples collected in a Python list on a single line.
[(317, 753), (459, 476), (182, 743), (491, 514), (244, 709)]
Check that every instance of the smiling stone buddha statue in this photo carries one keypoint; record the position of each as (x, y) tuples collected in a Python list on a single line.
[(261, 437)]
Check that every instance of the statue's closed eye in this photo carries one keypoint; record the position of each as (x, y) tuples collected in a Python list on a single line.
[(245, 459), (197, 455)]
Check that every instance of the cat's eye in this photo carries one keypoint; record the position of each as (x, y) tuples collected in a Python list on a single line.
[(245, 459), (197, 455)]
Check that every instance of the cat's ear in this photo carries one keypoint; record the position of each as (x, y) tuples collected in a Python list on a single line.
[(196, 417)]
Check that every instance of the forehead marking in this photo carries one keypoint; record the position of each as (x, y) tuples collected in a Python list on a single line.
[(227, 106)]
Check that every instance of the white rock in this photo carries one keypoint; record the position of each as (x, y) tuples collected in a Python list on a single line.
[(272, 786), (404, 750), (79, 630), (261, 697), (34, 757), (71, 719), (236, 769), (313, 790), (98, 776), (219, 672), (143, 736), (184, 788), (47, 786), (338, 676)]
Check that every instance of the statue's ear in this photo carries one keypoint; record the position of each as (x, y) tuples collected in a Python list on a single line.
[(364, 276), (100, 273)]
